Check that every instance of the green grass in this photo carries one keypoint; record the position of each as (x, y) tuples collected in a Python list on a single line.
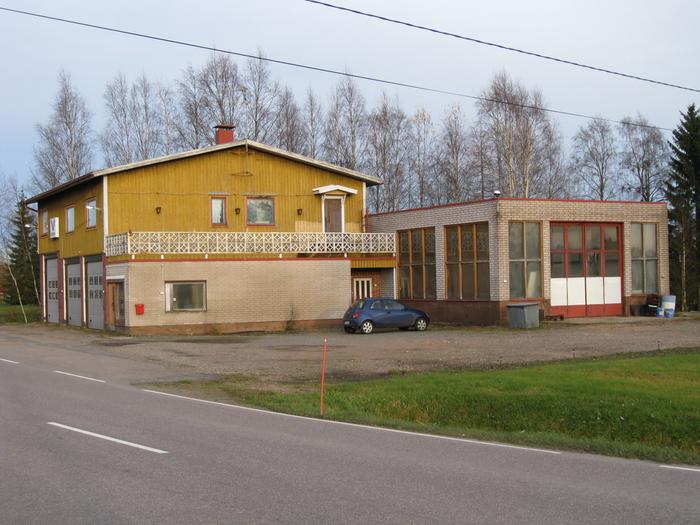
[(11, 313), (643, 406)]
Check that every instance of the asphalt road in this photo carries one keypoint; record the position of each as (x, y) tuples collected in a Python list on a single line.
[(179, 460)]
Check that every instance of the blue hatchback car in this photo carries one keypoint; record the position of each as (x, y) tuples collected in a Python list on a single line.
[(367, 314)]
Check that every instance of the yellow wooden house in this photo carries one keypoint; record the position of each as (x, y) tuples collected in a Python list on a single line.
[(236, 236)]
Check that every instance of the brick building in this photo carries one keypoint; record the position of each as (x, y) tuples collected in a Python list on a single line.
[(463, 263)]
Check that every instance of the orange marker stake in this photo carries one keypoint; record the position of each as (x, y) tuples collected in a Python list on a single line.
[(323, 371)]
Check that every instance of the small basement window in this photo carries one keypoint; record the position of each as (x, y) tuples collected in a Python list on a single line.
[(186, 296)]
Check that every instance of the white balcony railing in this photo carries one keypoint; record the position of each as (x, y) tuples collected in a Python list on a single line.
[(247, 242)]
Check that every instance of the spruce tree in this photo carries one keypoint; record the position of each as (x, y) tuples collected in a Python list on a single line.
[(683, 193), (22, 258)]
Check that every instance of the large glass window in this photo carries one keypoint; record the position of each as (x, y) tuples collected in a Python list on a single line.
[(525, 253), (467, 261), (185, 296), (584, 250), (417, 263), (645, 259), (218, 211), (261, 211)]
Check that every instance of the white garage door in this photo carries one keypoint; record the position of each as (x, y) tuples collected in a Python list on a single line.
[(74, 296), (95, 295), (51, 289)]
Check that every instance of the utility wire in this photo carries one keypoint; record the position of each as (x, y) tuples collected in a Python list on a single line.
[(322, 69), (500, 46)]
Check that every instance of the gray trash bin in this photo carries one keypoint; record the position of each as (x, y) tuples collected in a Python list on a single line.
[(524, 315)]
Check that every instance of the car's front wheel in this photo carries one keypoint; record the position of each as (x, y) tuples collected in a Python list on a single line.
[(421, 324), (367, 327)]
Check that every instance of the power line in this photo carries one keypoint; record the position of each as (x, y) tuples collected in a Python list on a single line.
[(500, 46), (320, 69)]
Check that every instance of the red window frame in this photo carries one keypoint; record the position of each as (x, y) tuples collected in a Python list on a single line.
[(584, 247)]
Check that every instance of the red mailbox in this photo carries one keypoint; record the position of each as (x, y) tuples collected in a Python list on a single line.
[(140, 309)]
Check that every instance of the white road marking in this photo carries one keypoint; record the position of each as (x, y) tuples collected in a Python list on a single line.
[(9, 361), (357, 425), (107, 438), (81, 377), (680, 468)]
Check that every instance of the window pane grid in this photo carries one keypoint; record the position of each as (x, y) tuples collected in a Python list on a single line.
[(525, 255), (645, 263), (467, 254), (417, 263)]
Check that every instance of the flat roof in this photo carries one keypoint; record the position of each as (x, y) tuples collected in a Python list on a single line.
[(527, 199)]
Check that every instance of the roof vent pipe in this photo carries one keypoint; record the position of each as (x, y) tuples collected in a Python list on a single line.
[(224, 133)]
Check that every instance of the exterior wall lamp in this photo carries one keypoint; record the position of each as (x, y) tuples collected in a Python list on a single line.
[(299, 211)]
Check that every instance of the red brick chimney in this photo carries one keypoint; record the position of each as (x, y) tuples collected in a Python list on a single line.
[(224, 133)]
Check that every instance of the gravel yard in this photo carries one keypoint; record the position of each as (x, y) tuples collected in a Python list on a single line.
[(293, 358)]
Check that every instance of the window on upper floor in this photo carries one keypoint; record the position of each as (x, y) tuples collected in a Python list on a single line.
[(467, 260), (91, 213), (260, 211), (45, 222), (70, 219), (218, 211), (645, 259)]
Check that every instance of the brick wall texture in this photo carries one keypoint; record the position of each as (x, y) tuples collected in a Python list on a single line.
[(241, 291), (500, 212)]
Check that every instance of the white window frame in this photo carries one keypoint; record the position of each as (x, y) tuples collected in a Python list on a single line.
[(91, 212), (45, 222), (70, 219)]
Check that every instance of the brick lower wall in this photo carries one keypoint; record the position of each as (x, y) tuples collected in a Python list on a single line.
[(273, 293)]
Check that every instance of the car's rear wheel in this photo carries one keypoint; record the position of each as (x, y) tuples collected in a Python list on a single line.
[(421, 324), (367, 327)]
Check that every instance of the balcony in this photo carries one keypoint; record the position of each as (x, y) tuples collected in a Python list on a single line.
[(248, 243)]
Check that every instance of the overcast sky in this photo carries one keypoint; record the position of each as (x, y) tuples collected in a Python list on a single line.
[(654, 39)]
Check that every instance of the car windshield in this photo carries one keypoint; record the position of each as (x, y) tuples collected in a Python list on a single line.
[(358, 305)]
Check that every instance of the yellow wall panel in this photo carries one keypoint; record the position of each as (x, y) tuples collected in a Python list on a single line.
[(83, 240), (175, 196)]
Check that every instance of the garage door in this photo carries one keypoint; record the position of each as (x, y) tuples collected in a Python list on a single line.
[(95, 295), (51, 288), (74, 296), (586, 262)]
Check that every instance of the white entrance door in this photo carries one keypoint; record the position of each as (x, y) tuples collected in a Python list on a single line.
[(362, 288)]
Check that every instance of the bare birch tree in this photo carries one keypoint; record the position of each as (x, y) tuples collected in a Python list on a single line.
[(312, 122), (65, 148), (289, 131), (452, 159), (193, 130), (519, 129), (643, 158), (222, 92), (137, 121), (388, 144), (422, 158), (480, 161), (261, 93), (594, 160), (345, 129)]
